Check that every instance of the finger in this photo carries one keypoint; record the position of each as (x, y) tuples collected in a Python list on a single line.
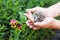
[(36, 28), (41, 25), (45, 23), (28, 14), (37, 23), (29, 23), (31, 26), (28, 11), (32, 10), (30, 17)]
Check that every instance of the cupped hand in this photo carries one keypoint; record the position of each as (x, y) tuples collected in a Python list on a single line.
[(47, 23)]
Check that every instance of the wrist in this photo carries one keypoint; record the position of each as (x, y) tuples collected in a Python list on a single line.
[(56, 24)]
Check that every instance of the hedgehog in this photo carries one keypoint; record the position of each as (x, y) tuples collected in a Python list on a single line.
[(39, 16)]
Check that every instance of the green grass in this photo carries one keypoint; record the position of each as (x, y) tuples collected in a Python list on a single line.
[(15, 9)]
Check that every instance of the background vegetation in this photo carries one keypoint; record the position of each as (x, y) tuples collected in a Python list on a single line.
[(15, 9)]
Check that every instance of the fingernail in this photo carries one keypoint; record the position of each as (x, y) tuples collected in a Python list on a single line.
[(30, 26), (35, 23), (25, 14), (26, 10), (35, 28)]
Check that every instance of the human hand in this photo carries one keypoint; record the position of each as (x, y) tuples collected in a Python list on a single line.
[(31, 11), (47, 23), (37, 25)]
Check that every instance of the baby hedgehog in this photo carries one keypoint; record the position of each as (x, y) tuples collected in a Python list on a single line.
[(39, 16)]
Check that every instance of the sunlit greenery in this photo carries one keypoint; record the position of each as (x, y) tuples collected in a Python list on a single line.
[(15, 9)]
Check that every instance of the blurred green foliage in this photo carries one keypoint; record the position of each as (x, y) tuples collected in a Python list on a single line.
[(14, 9)]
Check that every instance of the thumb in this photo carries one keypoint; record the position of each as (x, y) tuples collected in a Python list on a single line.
[(38, 23), (30, 17), (47, 21)]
